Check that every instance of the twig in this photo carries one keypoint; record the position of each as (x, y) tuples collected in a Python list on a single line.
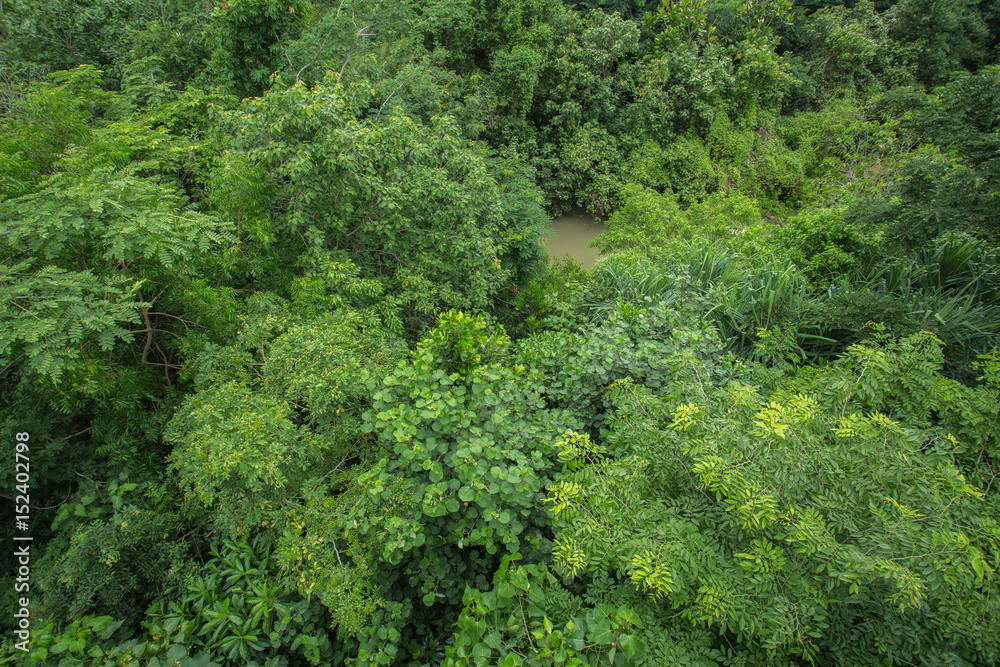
[(87, 478), (149, 333), (318, 52), (360, 33), (988, 486), (69, 436), (336, 551), (55, 506), (388, 98)]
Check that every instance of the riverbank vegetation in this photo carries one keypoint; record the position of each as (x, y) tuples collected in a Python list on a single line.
[(301, 387)]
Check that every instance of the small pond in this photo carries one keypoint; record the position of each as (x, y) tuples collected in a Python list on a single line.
[(573, 233)]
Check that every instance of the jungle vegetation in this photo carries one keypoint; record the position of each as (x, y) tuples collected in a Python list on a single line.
[(302, 387)]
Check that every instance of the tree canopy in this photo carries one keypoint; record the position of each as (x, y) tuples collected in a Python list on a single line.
[(292, 380)]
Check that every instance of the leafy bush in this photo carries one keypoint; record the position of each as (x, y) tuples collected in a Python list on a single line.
[(654, 343), (509, 625), (824, 247), (441, 239), (706, 504), (113, 551), (236, 611), (554, 299)]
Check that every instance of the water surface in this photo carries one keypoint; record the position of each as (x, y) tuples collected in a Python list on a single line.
[(574, 232)]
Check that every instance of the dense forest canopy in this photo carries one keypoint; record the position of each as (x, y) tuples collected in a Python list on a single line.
[(298, 384)]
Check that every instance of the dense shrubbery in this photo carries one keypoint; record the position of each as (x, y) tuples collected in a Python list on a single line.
[(301, 389)]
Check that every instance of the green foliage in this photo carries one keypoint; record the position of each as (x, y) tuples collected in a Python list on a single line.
[(948, 288), (751, 161), (570, 124), (520, 203), (238, 614), (684, 167), (817, 137), (143, 222), (945, 36), (413, 204), (865, 161), (251, 33), (44, 121), (760, 21), (842, 47), (734, 528), (241, 193), (824, 247), (285, 323), (500, 23), (615, 284), (60, 320), (652, 225), (473, 448), (228, 613), (681, 26), (629, 9), (645, 222), (175, 50), (951, 185), (272, 428), (92, 233), (60, 35), (227, 439), (509, 625), (461, 342), (653, 343), (762, 77), (682, 91), (321, 366), (850, 51), (114, 551), (771, 295), (692, 25), (112, 230), (455, 475), (554, 299), (959, 203), (95, 245), (92, 641)]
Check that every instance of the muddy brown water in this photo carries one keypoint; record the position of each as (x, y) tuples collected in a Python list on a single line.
[(573, 234)]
